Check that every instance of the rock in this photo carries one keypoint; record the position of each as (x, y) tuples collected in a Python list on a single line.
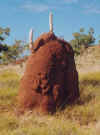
[(50, 80)]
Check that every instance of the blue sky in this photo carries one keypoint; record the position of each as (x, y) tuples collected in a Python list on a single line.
[(69, 16)]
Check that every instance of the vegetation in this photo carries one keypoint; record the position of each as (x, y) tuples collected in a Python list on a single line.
[(82, 40), (9, 81), (79, 119), (13, 53), (3, 34), (10, 53)]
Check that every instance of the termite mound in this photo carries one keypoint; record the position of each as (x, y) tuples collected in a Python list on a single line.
[(50, 80)]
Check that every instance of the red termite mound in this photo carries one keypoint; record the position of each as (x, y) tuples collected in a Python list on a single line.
[(50, 79)]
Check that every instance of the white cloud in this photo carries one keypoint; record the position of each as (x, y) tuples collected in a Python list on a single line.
[(71, 1), (39, 7), (92, 9), (36, 7), (96, 11)]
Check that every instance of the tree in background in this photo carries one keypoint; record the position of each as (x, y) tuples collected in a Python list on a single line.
[(14, 52), (99, 40), (10, 53), (3, 35), (82, 40)]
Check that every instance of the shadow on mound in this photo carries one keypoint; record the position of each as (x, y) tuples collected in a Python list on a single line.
[(50, 79)]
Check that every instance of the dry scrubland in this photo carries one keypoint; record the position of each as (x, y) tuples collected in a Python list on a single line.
[(82, 118), (89, 60)]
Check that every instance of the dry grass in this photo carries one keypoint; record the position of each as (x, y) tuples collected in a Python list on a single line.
[(81, 118)]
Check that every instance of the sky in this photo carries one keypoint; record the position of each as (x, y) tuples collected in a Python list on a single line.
[(68, 17)]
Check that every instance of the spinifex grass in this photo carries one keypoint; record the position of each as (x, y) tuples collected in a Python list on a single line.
[(9, 82)]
